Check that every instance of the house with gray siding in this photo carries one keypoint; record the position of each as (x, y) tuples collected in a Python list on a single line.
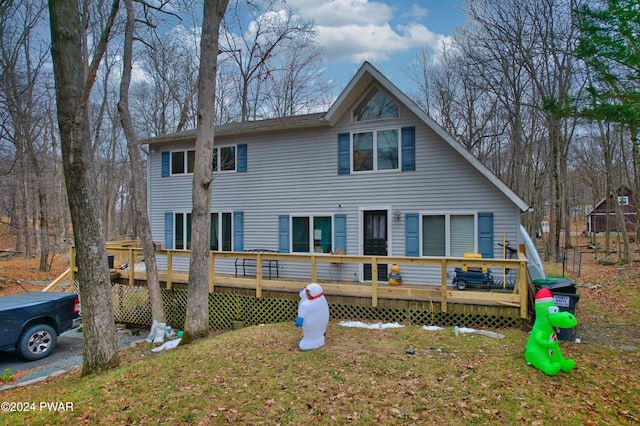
[(373, 175)]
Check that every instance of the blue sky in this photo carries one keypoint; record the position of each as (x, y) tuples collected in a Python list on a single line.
[(387, 33)]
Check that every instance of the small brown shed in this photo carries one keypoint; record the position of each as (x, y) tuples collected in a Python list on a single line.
[(597, 218)]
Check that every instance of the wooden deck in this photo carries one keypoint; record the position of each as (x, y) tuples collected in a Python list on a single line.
[(372, 293)]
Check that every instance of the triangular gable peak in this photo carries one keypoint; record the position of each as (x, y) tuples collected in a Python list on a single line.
[(361, 84), (621, 192)]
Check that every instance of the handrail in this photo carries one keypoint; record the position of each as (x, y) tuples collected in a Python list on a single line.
[(518, 298), (55, 283)]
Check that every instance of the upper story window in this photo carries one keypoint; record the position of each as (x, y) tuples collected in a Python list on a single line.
[(375, 106), (182, 162), (376, 150), (227, 158), (224, 159), (623, 200)]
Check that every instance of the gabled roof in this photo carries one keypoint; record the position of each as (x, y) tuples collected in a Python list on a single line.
[(359, 84), (620, 191), (365, 76)]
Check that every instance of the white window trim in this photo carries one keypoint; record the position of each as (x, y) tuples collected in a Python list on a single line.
[(310, 216), (186, 162), (184, 228), (623, 200), (235, 164), (375, 150), (220, 213), (447, 215)]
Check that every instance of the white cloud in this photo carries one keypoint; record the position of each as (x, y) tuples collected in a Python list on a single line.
[(352, 31), (416, 12), (337, 13)]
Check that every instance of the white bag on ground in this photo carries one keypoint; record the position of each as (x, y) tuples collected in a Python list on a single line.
[(152, 334), (160, 330)]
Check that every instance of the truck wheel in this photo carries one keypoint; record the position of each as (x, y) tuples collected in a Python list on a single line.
[(461, 284), (37, 342)]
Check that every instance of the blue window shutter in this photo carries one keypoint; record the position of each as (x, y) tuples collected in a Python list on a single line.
[(168, 230), (340, 224), (485, 235), (412, 234), (344, 153), (283, 233), (165, 163), (238, 231), (408, 148), (241, 152)]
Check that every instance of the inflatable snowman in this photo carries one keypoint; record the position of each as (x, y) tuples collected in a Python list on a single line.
[(313, 317)]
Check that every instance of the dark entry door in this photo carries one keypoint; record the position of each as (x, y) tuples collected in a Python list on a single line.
[(375, 240)]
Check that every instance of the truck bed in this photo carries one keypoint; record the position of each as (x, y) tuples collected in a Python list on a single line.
[(30, 322), (31, 299)]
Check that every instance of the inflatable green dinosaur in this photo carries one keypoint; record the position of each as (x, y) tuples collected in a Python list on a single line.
[(542, 350)]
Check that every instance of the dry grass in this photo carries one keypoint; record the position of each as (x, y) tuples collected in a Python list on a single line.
[(258, 376)]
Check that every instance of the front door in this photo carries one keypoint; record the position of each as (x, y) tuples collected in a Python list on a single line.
[(375, 240)]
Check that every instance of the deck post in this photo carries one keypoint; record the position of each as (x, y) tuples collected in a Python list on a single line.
[(259, 275), (314, 269), (169, 270), (212, 270), (374, 282), (131, 268), (443, 289), (523, 286)]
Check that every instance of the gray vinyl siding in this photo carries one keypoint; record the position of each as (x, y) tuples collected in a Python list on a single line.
[(295, 172)]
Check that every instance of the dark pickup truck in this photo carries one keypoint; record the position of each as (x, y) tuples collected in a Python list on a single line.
[(31, 322)]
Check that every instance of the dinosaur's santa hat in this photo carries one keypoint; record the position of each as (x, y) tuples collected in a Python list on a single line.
[(544, 296)]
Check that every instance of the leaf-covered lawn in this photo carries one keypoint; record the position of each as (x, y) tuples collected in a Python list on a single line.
[(258, 376)]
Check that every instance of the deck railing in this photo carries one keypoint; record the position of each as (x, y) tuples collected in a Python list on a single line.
[(440, 289)]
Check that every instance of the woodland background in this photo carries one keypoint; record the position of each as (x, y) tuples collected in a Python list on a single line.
[(541, 91)]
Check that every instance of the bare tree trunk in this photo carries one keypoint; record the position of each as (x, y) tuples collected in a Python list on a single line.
[(16, 218), (23, 219), (633, 130), (197, 317), (620, 217), (72, 94), (139, 180)]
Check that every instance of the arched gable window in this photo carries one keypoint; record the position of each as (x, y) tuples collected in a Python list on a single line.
[(375, 106)]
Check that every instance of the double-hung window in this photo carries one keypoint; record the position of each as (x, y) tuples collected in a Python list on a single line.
[(376, 150), (182, 162), (448, 235), (220, 232), (311, 234), (182, 231), (224, 159)]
